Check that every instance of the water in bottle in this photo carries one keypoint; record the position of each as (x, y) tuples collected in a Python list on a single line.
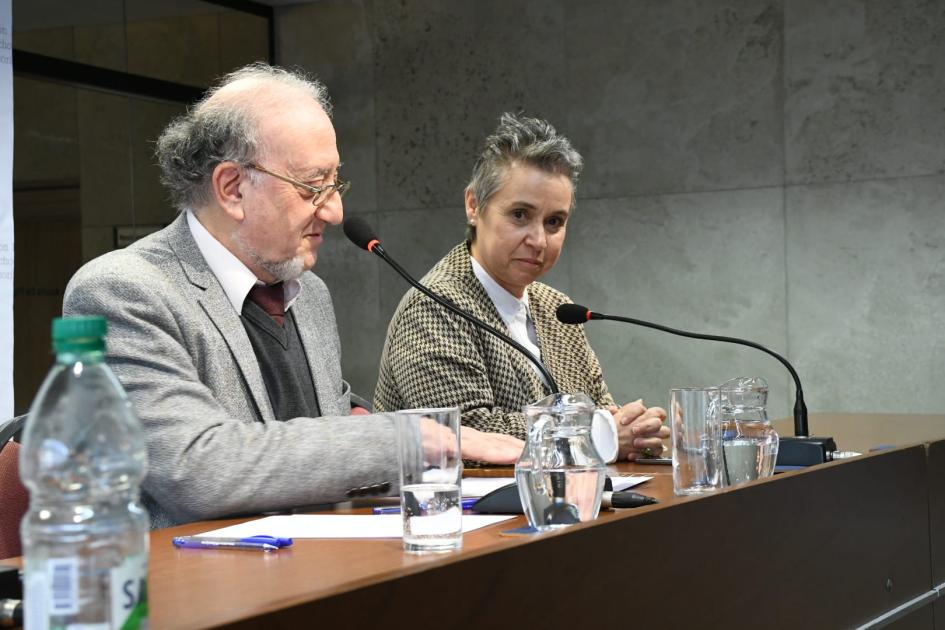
[(85, 535)]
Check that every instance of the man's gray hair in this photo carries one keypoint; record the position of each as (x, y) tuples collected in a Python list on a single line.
[(520, 139), (221, 130)]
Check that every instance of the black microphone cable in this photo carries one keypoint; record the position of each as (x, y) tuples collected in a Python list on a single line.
[(577, 314), (360, 233)]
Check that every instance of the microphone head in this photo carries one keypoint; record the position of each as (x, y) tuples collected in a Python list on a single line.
[(360, 233), (573, 314)]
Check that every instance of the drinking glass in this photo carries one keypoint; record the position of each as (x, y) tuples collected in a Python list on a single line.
[(696, 435), (431, 470)]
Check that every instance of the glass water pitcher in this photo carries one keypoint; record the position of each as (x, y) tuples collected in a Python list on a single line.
[(749, 442), (560, 474)]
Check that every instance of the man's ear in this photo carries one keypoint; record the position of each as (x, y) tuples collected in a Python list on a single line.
[(472, 211), (225, 182)]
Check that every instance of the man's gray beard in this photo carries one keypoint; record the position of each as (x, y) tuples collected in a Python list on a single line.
[(282, 271)]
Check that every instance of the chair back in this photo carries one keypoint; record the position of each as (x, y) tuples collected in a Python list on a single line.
[(14, 498)]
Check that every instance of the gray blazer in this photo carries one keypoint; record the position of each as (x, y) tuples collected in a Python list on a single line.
[(181, 352)]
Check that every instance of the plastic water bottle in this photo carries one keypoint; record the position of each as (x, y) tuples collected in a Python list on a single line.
[(85, 536)]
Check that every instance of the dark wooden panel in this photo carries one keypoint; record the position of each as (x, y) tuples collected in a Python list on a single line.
[(936, 455), (921, 619), (831, 547)]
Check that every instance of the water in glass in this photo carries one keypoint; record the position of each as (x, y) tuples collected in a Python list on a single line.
[(433, 519)]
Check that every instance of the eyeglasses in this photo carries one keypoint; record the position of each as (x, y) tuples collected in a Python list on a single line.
[(320, 194)]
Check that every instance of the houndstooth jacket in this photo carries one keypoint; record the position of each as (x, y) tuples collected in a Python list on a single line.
[(433, 358)]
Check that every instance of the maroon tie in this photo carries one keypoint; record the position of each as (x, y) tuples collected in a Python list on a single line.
[(270, 298)]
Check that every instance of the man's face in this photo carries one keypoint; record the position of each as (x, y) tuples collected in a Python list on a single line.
[(281, 230)]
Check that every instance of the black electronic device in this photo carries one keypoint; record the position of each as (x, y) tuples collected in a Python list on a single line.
[(506, 500)]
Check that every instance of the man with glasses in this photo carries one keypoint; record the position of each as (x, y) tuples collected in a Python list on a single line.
[(226, 346)]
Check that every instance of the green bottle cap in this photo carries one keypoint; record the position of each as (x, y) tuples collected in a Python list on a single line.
[(79, 334)]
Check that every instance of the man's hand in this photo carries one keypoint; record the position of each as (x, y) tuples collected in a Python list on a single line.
[(639, 428), (495, 448)]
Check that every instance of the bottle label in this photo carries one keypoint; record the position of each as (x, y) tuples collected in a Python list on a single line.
[(64, 586), (129, 592), (51, 595)]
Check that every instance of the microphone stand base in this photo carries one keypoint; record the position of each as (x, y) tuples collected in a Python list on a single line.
[(805, 451)]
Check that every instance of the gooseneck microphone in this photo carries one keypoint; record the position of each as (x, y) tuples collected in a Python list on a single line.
[(800, 450), (360, 233), (577, 314)]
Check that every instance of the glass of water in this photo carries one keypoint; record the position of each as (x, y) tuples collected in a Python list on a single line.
[(694, 418), (431, 470)]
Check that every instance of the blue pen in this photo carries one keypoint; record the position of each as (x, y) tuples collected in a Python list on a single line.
[(261, 543), (395, 509)]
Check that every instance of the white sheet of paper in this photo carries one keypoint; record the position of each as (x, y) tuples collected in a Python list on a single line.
[(623, 482), (338, 526), (481, 486)]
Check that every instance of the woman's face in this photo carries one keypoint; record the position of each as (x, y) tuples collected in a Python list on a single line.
[(520, 231)]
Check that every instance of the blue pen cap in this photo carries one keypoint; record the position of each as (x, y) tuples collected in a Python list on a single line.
[(269, 540)]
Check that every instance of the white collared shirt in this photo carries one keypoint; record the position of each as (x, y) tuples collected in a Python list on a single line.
[(235, 277), (513, 311), (516, 316)]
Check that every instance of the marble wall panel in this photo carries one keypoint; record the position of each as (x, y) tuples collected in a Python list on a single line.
[(46, 146), (102, 45), (332, 40), (105, 171), (56, 42), (353, 277), (97, 241), (151, 201), (444, 72), (704, 262), (866, 287), (244, 38), (675, 96), (865, 89), (189, 48)]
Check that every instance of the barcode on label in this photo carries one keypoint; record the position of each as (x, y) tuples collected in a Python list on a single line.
[(64, 586)]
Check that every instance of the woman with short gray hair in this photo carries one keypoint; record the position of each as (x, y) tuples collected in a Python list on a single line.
[(518, 204)]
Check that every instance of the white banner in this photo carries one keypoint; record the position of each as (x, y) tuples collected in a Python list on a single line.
[(6, 210)]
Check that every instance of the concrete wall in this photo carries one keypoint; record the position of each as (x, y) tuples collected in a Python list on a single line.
[(771, 169)]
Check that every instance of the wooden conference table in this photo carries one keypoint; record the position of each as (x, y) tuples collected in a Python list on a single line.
[(832, 546)]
